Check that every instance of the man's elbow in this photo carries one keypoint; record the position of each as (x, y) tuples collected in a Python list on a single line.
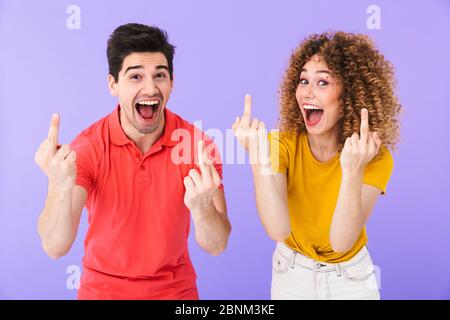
[(55, 252), (216, 250)]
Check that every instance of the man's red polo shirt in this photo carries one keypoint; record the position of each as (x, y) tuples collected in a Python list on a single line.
[(136, 245)]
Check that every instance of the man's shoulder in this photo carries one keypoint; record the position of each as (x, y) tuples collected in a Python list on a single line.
[(195, 130), (179, 122)]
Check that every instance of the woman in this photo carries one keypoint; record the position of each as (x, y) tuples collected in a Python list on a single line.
[(338, 120)]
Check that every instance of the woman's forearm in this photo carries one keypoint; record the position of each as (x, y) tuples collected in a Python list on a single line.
[(347, 218), (271, 202)]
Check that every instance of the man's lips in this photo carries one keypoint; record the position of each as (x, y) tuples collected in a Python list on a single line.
[(148, 107)]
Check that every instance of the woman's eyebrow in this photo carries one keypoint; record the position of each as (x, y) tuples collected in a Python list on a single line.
[(318, 71)]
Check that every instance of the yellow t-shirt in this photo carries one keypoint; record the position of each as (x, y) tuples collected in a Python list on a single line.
[(313, 188)]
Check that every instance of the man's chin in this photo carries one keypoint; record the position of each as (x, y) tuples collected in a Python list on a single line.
[(146, 130), (144, 126)]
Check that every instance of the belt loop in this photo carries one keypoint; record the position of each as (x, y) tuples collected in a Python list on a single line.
[(294, 254), (338, 270)]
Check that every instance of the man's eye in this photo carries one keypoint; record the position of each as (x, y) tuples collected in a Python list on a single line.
[(161, 75), (135, 77)]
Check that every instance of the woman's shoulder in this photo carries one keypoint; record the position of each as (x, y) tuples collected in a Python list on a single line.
[(384, 157), (285, 136)]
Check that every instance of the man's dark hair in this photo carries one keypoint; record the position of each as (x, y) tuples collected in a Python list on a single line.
[(134, 37)]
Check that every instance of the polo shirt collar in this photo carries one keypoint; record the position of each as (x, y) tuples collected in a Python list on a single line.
[(119, 137), (169, 127)]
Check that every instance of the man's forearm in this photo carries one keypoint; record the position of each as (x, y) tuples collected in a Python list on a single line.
[(212, 229), (56, 223)]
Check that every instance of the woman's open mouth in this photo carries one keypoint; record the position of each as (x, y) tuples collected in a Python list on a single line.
[(147, 109), (313, 114)]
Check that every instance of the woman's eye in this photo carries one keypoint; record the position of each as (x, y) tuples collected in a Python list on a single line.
[(322, 83), (303, 82)]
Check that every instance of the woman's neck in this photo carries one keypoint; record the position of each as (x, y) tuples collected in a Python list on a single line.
[(324, 146)]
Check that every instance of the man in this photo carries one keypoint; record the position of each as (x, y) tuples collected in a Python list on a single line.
[(138, 193)]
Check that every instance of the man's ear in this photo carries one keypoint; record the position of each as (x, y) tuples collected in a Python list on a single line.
[(112, 86)]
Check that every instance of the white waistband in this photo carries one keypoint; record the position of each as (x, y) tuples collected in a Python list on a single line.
[(301, 260)]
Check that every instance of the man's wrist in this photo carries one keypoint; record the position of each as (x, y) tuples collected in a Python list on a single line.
[(59, 192), (204, 212)]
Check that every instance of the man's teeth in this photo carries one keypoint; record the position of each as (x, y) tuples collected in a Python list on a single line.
[(148, 103), (309, 107)]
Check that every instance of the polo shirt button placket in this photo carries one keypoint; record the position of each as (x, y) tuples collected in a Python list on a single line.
[(144, 173)]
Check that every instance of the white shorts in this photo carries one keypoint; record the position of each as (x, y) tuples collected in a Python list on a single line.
[(297, 277)]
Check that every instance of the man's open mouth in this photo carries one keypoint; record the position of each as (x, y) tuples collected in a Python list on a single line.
[(313, 114), (147, 109)]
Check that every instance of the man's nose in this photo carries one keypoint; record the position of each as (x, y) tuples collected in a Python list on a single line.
[(149, 87)]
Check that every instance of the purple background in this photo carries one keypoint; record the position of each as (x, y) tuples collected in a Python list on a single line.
[(224, 49)]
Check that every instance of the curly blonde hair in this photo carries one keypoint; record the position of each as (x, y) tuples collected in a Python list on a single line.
[(368, 82)]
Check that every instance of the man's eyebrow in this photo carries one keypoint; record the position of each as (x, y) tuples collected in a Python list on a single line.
[(162, 67), (142, 67), (133, 67)]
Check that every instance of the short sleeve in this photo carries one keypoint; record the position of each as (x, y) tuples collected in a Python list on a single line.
[(85, 162), (279, 155), (378, 171)]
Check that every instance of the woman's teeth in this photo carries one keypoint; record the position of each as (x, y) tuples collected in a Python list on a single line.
[(311, 107), (313, 114)]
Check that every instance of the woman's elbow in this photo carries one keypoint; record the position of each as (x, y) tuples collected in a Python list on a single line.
[(340, 246), (279, 235)]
